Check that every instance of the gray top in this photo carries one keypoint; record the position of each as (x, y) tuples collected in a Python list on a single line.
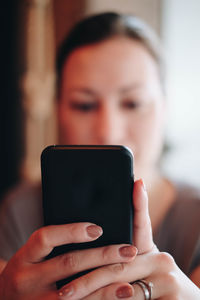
[(179, 233)]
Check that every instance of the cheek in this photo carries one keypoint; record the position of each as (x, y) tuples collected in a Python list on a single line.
[(74, 129), (145, 136)]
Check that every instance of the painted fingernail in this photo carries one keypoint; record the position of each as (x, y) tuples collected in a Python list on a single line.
[(124, 292), (94, 231), (67, 291), (143, 185), (128, 251)]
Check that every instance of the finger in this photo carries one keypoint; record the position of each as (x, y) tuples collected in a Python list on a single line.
[(74, 262), (101, 277), (42, 241), (114, 291), (158, 268), (139, 292), (142, 231), (3, 263), (161, 285)]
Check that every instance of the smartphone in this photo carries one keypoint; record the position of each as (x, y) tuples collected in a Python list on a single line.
[(88, 184)]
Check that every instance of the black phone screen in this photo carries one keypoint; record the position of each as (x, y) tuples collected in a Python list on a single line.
[(89, 184)]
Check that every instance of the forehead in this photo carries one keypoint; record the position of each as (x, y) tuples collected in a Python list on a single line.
[(117, 61)]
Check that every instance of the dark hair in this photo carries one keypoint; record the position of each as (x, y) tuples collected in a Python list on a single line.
[(103, 26)]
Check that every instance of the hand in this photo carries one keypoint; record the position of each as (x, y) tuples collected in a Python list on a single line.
[(28, 276), (113, 281)]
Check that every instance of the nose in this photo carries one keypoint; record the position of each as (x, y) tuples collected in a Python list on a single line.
[(109, 126)]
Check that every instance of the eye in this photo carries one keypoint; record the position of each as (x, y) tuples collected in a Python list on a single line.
[(84, 106), (131, 104)]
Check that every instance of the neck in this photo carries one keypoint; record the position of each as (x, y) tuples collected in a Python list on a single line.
[(151, 179), (161, 194)]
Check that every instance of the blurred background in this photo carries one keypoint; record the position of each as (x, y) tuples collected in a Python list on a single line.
[(32, 31)]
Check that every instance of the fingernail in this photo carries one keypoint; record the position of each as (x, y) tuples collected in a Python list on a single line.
[(94, 231), (128, 251), (143, 185), (67, 291), (124, 292)]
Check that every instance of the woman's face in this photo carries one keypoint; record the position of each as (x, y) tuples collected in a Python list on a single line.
[(111, 94)]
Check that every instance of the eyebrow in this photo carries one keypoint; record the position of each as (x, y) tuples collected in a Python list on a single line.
[(130, 88), (91, 92), (84, 90)]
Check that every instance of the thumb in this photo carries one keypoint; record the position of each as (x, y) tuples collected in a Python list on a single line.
[(142, 230)]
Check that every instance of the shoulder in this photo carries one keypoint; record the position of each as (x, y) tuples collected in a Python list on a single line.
[(187, 199), (187, 191), (20, 216), (24, 194), (179, 232), (185, 210), (22, 206)]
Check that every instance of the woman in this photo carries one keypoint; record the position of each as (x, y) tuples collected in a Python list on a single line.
[(110, 91)]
